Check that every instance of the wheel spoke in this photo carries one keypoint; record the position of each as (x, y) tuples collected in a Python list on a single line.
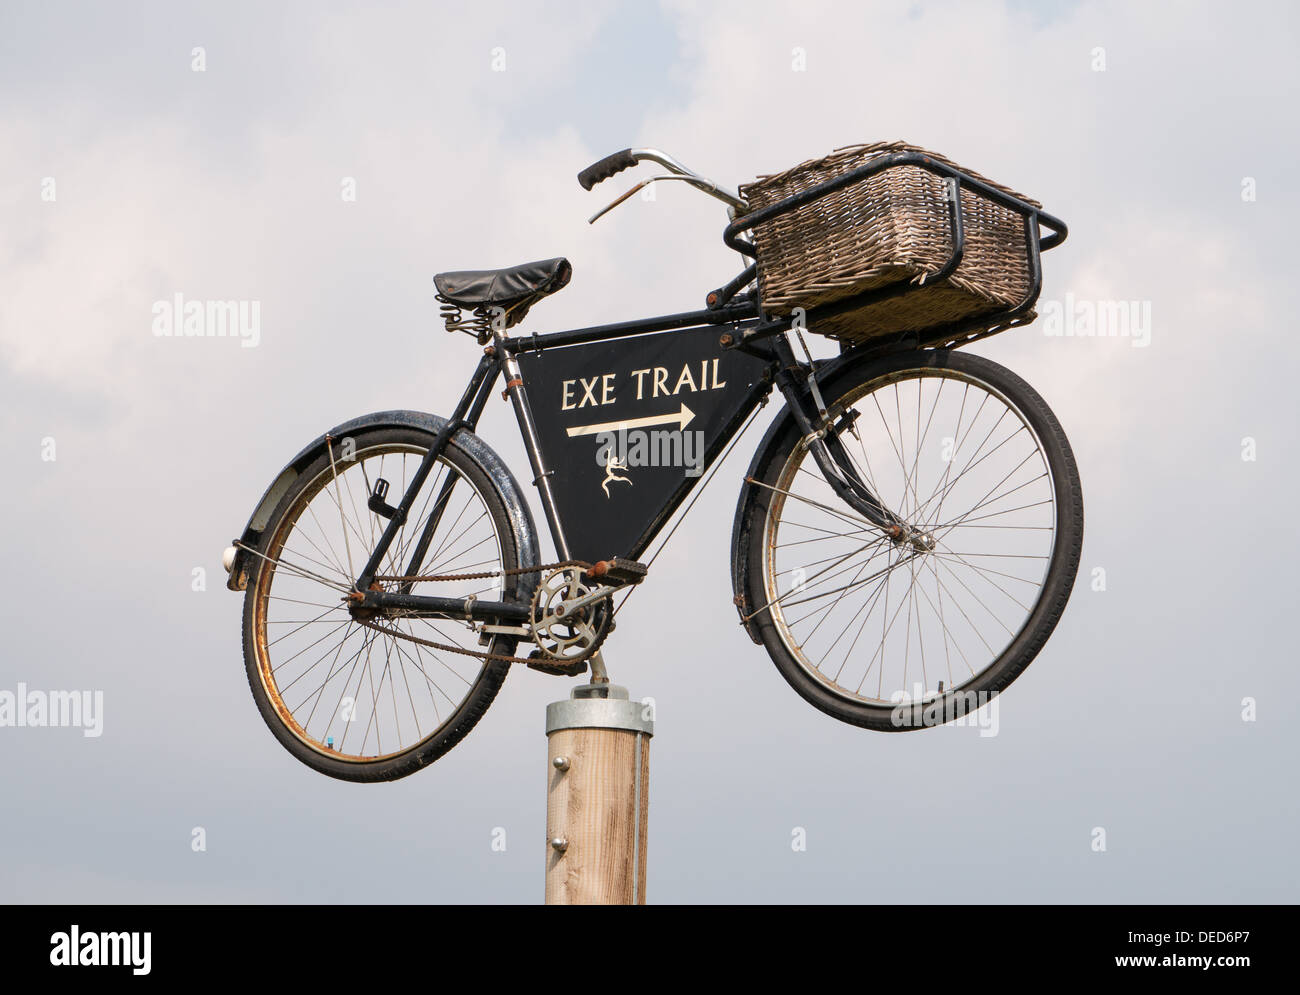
[(942, 599)]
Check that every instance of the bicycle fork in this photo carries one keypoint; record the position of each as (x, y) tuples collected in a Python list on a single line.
[(821, 437)]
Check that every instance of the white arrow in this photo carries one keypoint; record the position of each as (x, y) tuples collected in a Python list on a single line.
[(683, 418)]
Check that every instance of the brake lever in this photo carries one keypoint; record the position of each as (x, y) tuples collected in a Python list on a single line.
[(698, 182)]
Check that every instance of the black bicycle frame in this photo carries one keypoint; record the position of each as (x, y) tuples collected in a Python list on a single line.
[(747, 328), (499, 360)]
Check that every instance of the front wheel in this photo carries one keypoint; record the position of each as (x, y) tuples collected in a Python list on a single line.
[(895, 633)]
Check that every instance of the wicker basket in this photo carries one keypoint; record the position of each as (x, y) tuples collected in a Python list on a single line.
[(889, 228)]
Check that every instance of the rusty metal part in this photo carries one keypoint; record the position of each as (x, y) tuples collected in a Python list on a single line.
[(448, 647), (355, 610), (618, 571), (512, 382), (484, 575)]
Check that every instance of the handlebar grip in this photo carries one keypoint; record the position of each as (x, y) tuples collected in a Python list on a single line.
[(606, 168)]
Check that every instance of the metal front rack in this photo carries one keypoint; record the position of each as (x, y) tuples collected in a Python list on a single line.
[(961, 331)]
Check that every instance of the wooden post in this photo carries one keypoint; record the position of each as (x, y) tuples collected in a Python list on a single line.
[(597, 799)]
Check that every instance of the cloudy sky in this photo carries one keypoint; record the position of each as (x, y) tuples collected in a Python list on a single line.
[(1164, 136)]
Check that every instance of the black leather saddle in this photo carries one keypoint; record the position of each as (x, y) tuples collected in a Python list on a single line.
[(515, 289)]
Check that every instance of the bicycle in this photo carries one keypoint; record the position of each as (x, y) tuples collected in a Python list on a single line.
[(905, 540)]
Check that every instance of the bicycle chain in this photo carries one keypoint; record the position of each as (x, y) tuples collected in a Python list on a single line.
[(448, 648), (488, 573)]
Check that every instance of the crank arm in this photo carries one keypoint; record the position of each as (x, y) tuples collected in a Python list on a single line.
[(566, 608)]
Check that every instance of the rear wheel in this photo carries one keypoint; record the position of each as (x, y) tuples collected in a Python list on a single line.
[(345, 699), (904, 632)]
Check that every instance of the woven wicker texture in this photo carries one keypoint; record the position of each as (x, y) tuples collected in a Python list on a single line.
[(889, 228)]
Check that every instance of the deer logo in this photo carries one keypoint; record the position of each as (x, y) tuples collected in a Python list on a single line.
[(612, 466)]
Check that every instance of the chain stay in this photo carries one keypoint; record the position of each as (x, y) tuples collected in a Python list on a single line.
[(448, 648)]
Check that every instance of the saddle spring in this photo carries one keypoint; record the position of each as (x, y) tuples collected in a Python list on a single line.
[(477, 324)]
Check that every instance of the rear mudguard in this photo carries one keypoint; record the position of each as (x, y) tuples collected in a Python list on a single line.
[(521, 518), (851, 362)]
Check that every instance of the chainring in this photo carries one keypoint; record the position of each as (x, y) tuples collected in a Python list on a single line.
[(576, 636)]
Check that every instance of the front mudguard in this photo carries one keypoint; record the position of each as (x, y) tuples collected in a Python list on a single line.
[(521, 518)]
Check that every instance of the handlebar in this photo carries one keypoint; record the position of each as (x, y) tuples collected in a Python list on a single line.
[(606, 168), (603, 169)]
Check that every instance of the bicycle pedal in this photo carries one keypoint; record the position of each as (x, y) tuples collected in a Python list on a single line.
[(545, 665), (618, 570)]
